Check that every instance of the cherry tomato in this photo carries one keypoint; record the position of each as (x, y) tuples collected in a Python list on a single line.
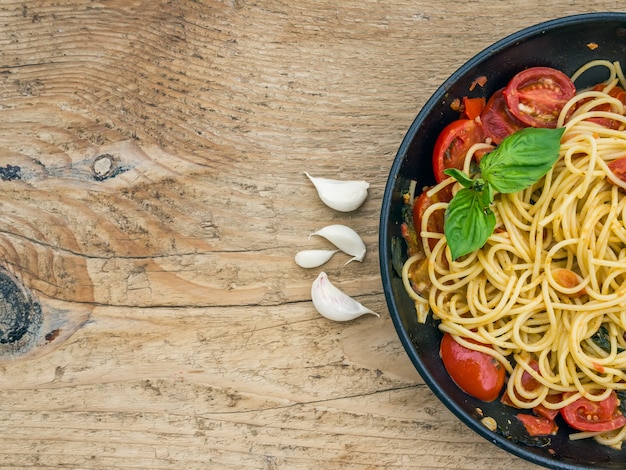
[(587, 415), (536, 95), (476, 373), (619, 93), (452, 145), (615, 92), (538, 425), (496, 119), (528, 381), (618, 168), (435, 221)]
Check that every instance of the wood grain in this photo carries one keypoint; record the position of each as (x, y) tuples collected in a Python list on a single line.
[(177, 331)]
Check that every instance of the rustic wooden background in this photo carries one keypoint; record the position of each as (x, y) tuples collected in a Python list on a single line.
[(158, 205)]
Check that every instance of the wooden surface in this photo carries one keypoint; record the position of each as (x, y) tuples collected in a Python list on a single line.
[(176, 330)]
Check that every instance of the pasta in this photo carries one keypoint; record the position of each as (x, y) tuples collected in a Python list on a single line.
[(552, 277)]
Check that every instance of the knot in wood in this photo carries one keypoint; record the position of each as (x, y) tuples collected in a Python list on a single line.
[(20, 316), (105, 166), (10, 173)]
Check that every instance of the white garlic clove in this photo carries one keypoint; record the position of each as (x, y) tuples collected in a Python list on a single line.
[(334, 304), (343, 196), (344, 238), (313, 258)]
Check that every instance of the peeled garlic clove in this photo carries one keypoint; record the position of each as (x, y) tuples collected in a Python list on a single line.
[(344, 238), (333, 304), (343, 196), (313, 258)]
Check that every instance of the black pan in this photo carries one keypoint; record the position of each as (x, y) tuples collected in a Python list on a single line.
[(564, 44)]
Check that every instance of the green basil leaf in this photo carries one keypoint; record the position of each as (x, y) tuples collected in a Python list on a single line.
[(521, 159), (461, 177), (488, 194), (469, 221)]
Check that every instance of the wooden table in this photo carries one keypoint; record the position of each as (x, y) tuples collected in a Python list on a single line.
[(153, 199)]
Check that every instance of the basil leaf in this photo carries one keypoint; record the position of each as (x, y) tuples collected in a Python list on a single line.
[(461, 177), (469, 222), (602, 340), (521, 159), (489, 194), (397, 251)]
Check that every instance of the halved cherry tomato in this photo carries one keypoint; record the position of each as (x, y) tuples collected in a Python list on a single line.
[(618, 168), (435, 221), (537, 95), (538, 425), (472, 107), (496, 119), (476, 373), (587, 415), (615, 92), (619, 93), (530, 383), (423, 202), (452, 145)]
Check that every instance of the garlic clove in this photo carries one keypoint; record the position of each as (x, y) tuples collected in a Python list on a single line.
[(343, 196), (334, 304), (313, 258), (344, 238)]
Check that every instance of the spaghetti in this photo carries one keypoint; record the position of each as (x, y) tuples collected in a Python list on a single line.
[(552, 277)]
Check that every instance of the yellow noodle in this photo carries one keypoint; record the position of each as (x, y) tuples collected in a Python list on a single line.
[(507, 295)]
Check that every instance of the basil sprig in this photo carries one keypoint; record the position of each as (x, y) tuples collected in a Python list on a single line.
[(518, 162)]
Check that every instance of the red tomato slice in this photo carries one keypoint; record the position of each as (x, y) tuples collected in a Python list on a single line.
[(435, 221), (452, 145), (548, 413), (587, 415), (496, 119), (538, 410), (536, 95), (476, 373), (538, 425)]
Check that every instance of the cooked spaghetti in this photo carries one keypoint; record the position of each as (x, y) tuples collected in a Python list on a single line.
[(552, 277)]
